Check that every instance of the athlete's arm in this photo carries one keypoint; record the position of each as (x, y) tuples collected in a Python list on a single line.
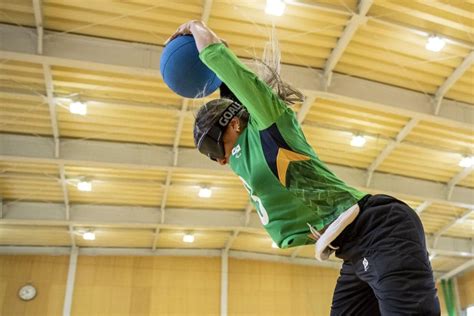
[(263, 105)]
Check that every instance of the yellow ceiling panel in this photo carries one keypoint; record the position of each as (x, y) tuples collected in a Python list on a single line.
[(24, 114), (467, 181), (145, 83), (29, 187), (223, 197), (251, 19), (115, 237), (295, 16), (409, 62), (351, 117), (471, 217), (305, 39), (189, 6), (443, 209), (463, 229), (396, 77), (398, 57), (149, 22), (187, 138), (459, 96), (202, 239), (22, 77), (417, 78), (110, 121), (441, 136), (434, 223), (334, 147), (423, 14), (30, 168), (387, 73), (260, 243), (21, 67), (221, 178), (442, 263), (34, 235), (101, 173), (420, 162), (17, 12), (437, 216), (390, 38), (116, 192), (112, 86), (125, 135), (462, 89)]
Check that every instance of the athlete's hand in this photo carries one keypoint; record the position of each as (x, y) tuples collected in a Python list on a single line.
[(183, 29), (203, 35)]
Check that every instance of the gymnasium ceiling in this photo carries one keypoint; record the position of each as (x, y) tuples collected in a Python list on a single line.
[(362, 66)]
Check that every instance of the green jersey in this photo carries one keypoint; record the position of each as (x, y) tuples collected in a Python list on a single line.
[(286, 180)]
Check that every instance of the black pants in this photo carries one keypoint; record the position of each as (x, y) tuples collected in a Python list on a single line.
[(386, 270)]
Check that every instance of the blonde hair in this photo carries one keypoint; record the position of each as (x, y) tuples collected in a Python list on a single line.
[(269, 67)]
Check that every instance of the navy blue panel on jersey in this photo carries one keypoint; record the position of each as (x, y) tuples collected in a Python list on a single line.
[(272, 140)]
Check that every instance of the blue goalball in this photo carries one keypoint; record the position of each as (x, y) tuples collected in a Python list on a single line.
[(183, 71)]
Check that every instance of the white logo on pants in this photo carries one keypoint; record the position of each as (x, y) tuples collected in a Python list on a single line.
[(365, 262)]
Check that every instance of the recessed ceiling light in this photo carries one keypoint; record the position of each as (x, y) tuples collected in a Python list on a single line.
[(358, 141), (84, 186), (205, 192), (78, 107), (435, 43), (89, 235), (275, 7), (189, 238), (466, 162)]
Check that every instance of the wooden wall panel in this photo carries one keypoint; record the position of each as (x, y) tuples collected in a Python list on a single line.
[(442, 303), (138, 286), (146, 286), (466, 289), (270, 288), (47, 273)]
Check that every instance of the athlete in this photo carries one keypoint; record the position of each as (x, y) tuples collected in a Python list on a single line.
[(386, 270)]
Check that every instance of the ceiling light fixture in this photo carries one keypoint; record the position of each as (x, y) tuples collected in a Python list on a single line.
[(435, 43), (275, 7), (466, 162), (205, 192), (84, 186), (89, 235), (189, 238), (78, 107), (358, 141)]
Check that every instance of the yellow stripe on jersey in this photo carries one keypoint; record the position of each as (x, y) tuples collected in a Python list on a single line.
[(284, 158)]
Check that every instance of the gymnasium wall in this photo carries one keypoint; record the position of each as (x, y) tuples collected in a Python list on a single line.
[(466, 289), (47, 273), (139, 286), (108, 285)]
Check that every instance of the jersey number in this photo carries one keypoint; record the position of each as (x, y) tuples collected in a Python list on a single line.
[(261, 211)]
